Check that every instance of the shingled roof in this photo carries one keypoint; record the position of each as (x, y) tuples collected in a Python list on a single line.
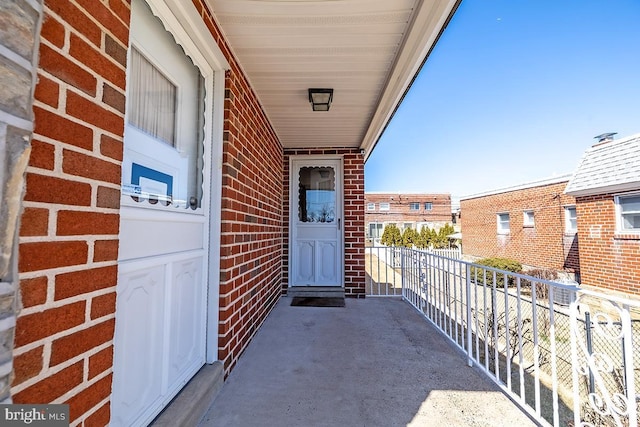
[(608, 167)]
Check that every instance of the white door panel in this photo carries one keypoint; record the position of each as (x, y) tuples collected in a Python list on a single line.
[(186, 323), (156, 234), (141, 296)]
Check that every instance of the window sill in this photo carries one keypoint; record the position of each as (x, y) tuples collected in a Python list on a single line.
[(626, 236), (529, 226)]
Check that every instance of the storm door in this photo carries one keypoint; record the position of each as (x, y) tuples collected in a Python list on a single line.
[(316, 222), (161, 334)]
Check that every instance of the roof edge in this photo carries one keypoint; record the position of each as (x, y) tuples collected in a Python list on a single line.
[(416, 48), (524, 186)]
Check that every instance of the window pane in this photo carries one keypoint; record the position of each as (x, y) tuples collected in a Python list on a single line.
[(164, 147), (384, 206), (317, 194), (371, 206), (503, 222), (152, 100), (631, 221), (630, 204), (571, 219), (414, 206), (428, 206)]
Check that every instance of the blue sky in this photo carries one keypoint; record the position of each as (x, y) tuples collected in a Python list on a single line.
[(514, 92)]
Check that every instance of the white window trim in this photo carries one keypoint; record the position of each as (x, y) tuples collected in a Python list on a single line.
[(499, 227), (567, 220), (384, 206), (618, 207), (371, 206), (526, 222)]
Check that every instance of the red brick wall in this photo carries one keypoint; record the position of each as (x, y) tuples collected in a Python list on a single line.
[(400, 212), (544, 246), (252, 226), (69, 232), (607, 259), (353, 217)]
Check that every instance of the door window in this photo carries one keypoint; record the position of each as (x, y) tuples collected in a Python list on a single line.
[(163, 163), (317, 194)]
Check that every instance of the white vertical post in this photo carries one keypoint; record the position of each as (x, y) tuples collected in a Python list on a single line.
[(468, 289)]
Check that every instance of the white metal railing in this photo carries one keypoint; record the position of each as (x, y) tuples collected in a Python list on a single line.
[(568, 356)]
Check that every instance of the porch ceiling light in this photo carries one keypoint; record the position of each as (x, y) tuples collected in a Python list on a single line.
[(320, 99)]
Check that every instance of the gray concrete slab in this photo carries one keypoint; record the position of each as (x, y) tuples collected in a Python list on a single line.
[(375, 362)]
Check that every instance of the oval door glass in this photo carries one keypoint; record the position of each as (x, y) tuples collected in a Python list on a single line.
[(317, 194)]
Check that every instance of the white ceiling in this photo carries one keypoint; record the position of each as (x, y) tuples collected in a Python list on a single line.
[(368, 51)]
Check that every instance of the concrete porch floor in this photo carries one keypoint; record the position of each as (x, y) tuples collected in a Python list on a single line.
[(375, 362)]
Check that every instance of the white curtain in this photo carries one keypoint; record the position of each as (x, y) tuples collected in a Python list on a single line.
[(152, 98)]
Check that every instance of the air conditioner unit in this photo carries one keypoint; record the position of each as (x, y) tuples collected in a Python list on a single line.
[(565, 296)]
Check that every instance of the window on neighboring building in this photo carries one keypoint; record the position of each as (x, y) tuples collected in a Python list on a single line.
[(570, 219), (528, 219), (628, 208), (375, 230), (428, 206), (384, 206), (414, 206), (371, 206), (503, 223), (407, 225)]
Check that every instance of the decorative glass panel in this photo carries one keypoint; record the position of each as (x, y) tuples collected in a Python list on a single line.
[(317, 194)]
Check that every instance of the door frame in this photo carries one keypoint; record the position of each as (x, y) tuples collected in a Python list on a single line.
[(296, 161)]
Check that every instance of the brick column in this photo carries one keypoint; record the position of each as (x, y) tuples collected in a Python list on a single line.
[(19, 36)]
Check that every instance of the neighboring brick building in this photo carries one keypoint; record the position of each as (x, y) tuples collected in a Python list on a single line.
[(153, 242), (532, 223), (405, 211), (606, 186)]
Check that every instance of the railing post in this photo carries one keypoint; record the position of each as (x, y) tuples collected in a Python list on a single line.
[(402, 274), (469, 322)]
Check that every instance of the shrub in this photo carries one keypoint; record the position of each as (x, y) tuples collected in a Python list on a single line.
[(409, 237), (498, 263), (542, 290), (391, 236)]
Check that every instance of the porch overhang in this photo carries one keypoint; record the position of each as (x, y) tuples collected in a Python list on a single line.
[(368, 51)]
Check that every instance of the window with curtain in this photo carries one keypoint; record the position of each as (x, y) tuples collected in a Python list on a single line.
[(152, 99)]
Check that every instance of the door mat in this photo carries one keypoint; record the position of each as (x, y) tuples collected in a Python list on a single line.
[(317, 302)]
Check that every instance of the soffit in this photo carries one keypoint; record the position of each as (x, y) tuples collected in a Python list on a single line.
[(368, 51)]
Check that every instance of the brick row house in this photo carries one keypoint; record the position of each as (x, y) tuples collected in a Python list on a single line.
[(585, 225), (165, 179), (405, 211), (532, 223), (606, 186)]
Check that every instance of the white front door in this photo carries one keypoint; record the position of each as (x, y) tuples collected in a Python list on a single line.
[(162, 293), (316, 222)]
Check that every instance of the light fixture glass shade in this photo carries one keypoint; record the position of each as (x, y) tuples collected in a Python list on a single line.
[(320, 99)]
